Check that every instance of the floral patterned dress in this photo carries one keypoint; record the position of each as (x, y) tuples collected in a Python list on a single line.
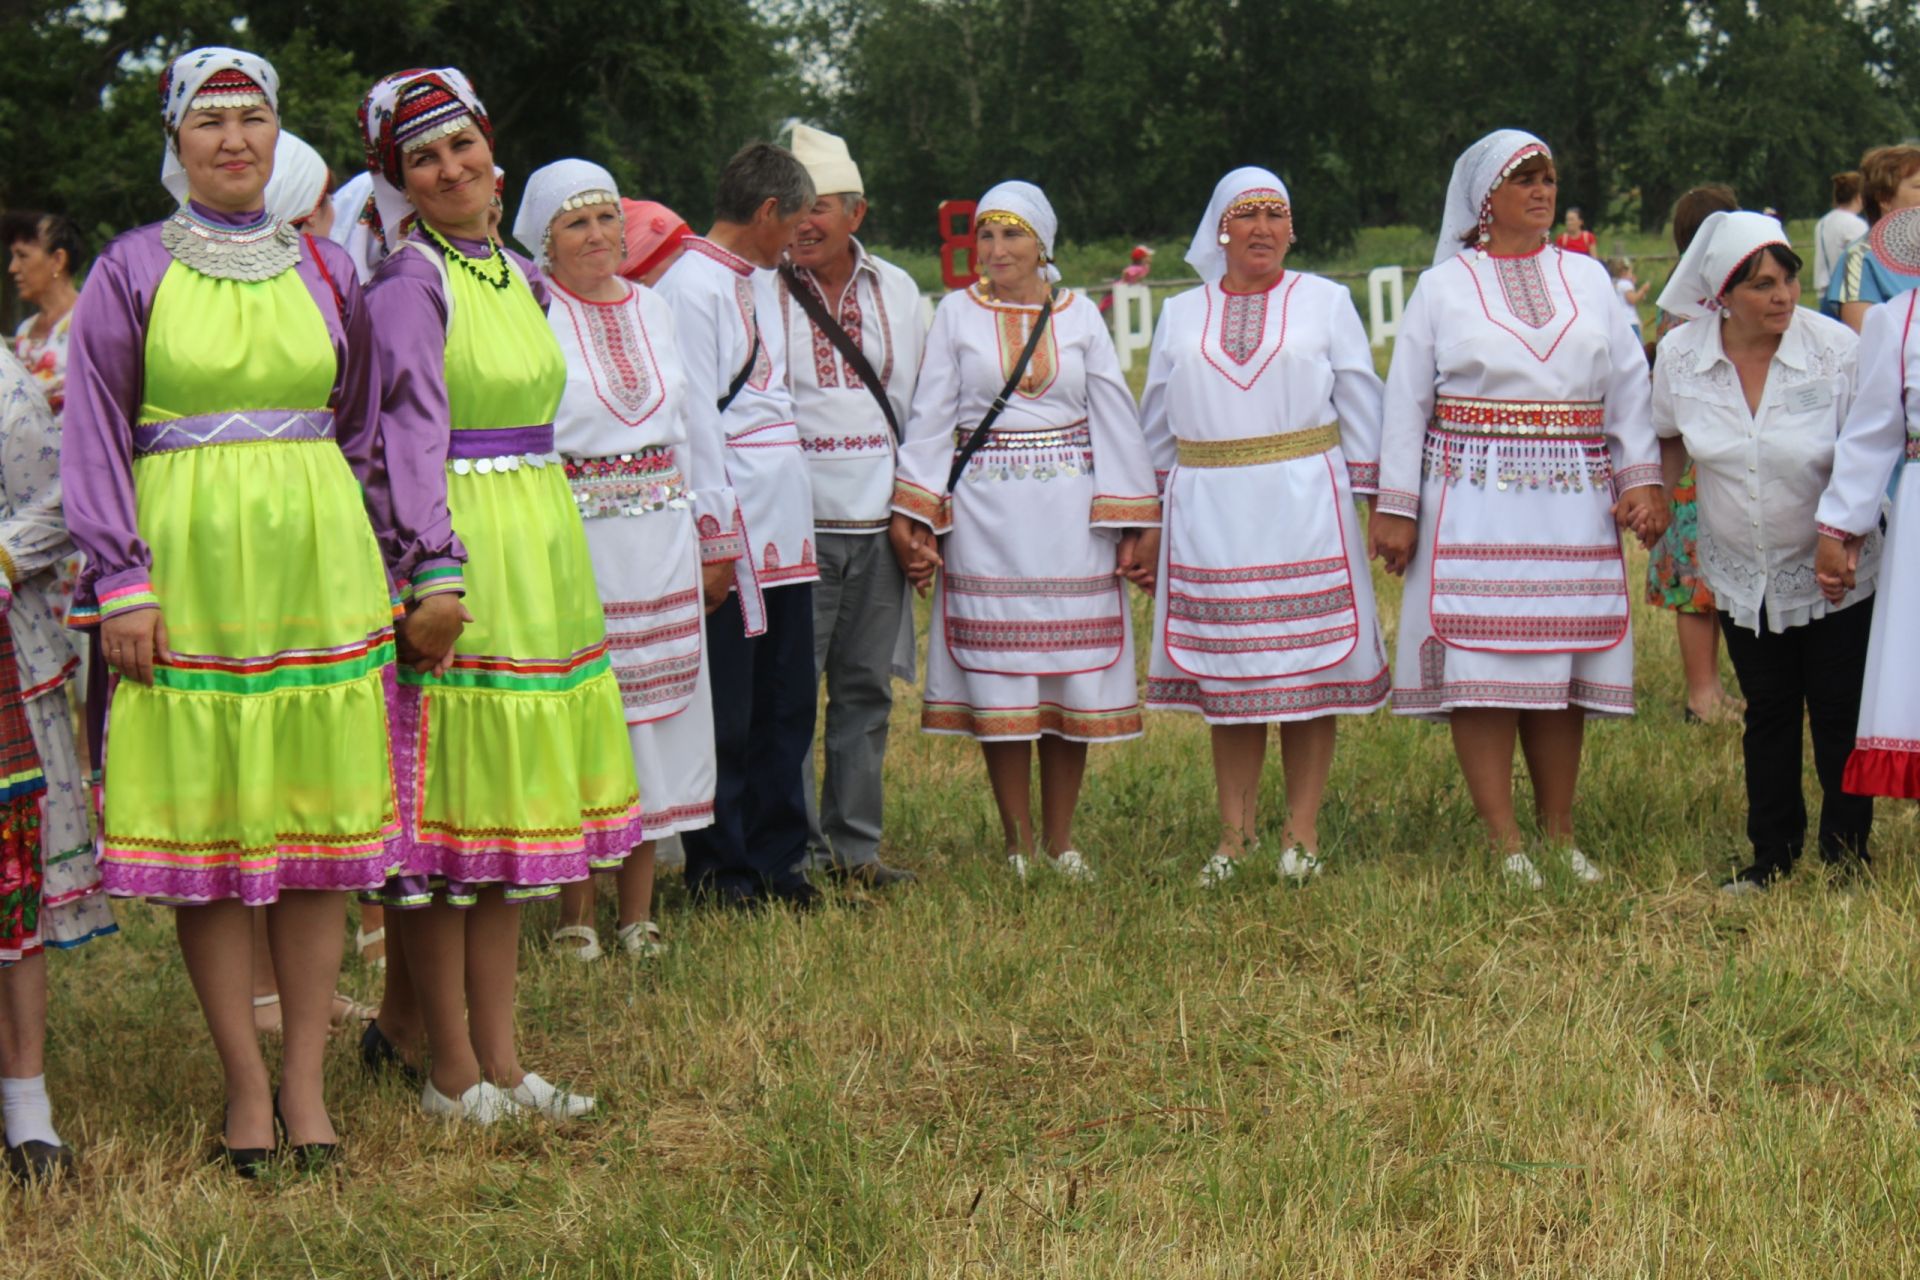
[(1674, 580)]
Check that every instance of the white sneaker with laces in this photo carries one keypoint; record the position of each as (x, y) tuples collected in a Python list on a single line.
[(1218, 871), (1018, 862), (1519, 868), (1297, 865), (535, 1094), (481, 1104), (1074, 867), (1582, 869)]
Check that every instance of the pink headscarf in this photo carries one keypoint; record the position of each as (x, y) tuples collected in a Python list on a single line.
[(653, 231)]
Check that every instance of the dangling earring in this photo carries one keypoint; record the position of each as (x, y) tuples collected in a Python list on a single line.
[(1293, 237), (1225, 238)]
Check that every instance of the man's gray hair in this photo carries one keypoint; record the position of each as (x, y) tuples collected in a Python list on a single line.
[(849, 200), (758, 172)]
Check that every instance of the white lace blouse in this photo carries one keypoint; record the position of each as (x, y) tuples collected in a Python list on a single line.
[(1760, 475)]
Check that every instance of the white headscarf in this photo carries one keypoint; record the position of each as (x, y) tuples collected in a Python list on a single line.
[(1480, 168), (1724, 242), (299, 179), (181, 83), (1029, 204), (1206, 254), (386, 139), (554, 188), (353, 225)]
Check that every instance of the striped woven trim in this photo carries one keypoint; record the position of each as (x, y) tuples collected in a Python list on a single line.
[(135, 595), (287, 669), (526, 675), (1253, 451)]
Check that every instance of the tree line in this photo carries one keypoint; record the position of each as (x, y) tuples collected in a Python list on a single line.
[(1127, 111)]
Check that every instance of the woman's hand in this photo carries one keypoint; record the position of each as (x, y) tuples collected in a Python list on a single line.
[(1138, 560), (431, 629), (1644, 509), (133, 642), (1390, 540), (716, 580), (917, 550), (1834, 565)]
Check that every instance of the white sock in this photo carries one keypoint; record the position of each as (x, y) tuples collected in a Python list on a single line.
[(29, 1114)]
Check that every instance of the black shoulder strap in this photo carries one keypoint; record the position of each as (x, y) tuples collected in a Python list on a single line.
[(979, 436), (842, 340), (746, 371)]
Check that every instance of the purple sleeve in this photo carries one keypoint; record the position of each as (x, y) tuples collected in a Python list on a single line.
[(104, 373), (407, 316)]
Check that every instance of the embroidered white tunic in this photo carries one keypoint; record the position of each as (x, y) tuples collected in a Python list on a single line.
[(849, 446), (1263, 414), (638, 477), (1516, 412), (1881, 436), (718, 299), (1760, 475), (1031, 627)]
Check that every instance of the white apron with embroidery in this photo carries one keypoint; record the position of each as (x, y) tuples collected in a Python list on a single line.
[(1031, 630), (1517, 410), (1263, 412), (634, 475)]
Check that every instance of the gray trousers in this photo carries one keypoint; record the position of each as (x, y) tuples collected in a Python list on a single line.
[(857, 607)]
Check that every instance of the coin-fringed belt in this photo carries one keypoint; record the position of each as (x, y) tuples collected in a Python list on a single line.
[(1253, 451), (485, 450), (626, 484), (1467, 416)]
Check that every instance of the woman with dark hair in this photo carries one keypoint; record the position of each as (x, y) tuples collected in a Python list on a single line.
[(1754, 387), (1674, 580), (1515, 446), (44, 253)]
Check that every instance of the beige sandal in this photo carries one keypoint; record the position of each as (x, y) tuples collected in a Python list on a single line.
[(642, 938), (364, 941), (589, 948), (348, 1013)]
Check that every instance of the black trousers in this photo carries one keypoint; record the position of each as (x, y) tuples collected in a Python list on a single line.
[(763, 709), (1815, 670)]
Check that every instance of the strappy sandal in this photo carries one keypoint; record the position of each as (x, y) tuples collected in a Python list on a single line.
[(347, 1014), (589, 948), (642, 938), (363, 941)]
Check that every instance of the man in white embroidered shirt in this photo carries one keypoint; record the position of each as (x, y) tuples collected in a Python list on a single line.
[(854, 335)]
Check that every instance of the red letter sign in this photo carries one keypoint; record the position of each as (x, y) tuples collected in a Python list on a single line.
[(954, 243)]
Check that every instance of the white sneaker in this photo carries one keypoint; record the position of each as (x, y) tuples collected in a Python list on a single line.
[(535, 1094), (1074, 867), (1583, 870), (482, 1104), (1519, 868), (1218, 871), (1297, 865), (642, 938), (1018, 862)]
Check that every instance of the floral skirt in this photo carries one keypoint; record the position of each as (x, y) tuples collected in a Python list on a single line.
[(1674, 580)]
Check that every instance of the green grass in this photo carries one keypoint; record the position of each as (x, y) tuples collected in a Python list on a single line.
[(1406, 1069)]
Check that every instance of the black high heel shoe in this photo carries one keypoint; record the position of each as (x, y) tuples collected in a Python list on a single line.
[(308, 1157), (380, 1055), (246, 1162)]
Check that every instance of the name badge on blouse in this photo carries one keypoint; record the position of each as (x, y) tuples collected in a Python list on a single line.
[(1809, 397)]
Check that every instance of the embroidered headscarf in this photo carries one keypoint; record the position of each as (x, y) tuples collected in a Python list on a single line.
[(1024, 205), (1895, 240), (211, 78), (652, 231), (1246, 185), (406, 111), (1720, 248), (299, 179), (554, 189), (1480, 169)]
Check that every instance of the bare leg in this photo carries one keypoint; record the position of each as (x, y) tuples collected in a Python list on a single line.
[(493, 961), (216, 941), (1306, 758), (635, 881), (1551, 742), (436, 950), (576, 904), (1700, 659), (308, 932), (1239, 754), (1483, 740), (1010, 770), (400, 1019), (266, 1017), (23, 1018), (1062, 766)]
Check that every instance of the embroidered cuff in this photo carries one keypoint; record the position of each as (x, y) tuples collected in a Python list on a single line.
[(1828, 531), (1131, 512), (717, 545), (930, 509), (1364, 477), (116, 593), (1397, 502), (435, 578), (1638, 476)]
